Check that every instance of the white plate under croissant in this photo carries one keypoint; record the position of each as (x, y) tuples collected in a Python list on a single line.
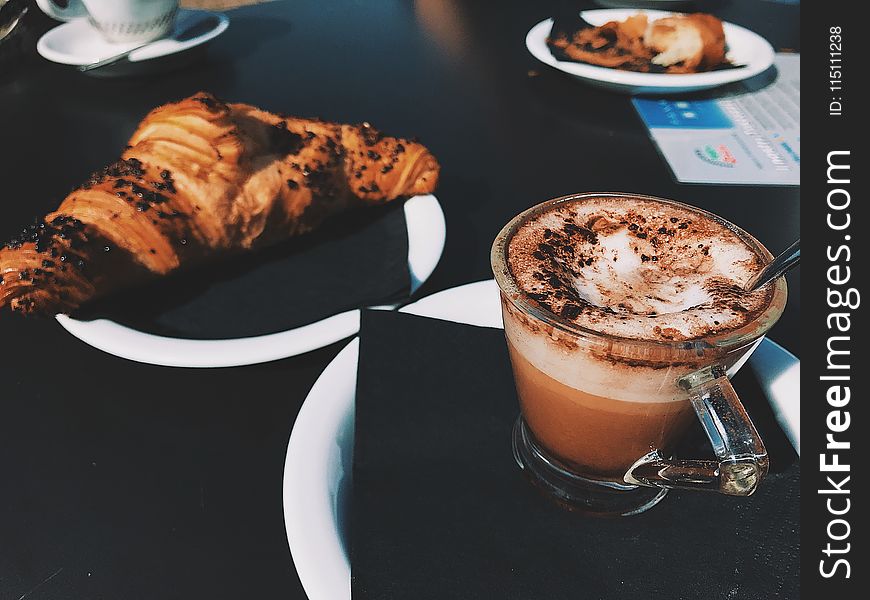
[(745, 48), (426, 236)]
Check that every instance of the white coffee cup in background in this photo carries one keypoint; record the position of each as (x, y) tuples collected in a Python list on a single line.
[(119, 21)]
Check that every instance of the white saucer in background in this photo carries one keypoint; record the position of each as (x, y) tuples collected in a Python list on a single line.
[(744, 48), (78, 43), (319, 462), (427, 233)]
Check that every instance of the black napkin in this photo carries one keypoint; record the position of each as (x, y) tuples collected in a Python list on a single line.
[(440, 509), (360, 259)]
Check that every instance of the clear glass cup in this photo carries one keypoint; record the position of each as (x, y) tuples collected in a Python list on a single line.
[(602, 446)]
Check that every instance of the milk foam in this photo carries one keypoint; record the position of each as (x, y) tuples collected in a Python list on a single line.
[(581, 369), (635, 269), (638, 269)]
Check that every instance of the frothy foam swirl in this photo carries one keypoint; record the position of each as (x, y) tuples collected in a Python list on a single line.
[(637, 268)]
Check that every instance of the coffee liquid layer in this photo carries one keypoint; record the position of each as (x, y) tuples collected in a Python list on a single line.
[(594, 435), (637, 268)]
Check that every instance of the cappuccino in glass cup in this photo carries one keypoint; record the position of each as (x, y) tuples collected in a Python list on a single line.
[(625, 315)]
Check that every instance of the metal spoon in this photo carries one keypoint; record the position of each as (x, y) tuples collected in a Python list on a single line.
[(191, 31), (790, 257)]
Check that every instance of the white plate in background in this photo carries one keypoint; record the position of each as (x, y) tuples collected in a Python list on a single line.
[(744, 48)]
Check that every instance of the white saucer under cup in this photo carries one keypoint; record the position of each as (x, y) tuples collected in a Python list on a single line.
[(75, 43), (118, 21), (319, 461)]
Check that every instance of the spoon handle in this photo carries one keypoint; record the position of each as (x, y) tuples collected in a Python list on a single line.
[(777, 267), (110, 60), (190, 31)]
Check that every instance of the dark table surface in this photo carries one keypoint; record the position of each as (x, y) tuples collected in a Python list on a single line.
[(121, 480)]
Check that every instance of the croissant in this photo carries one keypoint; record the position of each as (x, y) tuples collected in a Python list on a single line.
[(201, 178)]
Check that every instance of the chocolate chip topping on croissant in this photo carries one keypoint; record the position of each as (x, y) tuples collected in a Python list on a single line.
[(201, 178)]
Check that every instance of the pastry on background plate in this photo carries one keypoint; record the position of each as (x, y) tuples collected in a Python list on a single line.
[(687, 43), (690, 43), (199, 179)]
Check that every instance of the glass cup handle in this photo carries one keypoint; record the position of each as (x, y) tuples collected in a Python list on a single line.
[(741, 459)]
